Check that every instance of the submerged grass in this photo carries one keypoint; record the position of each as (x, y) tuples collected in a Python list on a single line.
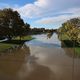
[(4, 46), (77, 50)]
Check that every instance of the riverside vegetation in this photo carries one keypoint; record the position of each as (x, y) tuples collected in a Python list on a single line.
[(70, 33), (13, 28)]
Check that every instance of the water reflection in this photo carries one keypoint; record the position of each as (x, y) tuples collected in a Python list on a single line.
[(70, 51), (41, 40), (33, 62), (10, 62), (33, 71), (63, 62), (49, 35), (55, 59)]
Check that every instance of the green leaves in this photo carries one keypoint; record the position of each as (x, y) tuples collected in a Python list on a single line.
[(72, 29), (11, 23)]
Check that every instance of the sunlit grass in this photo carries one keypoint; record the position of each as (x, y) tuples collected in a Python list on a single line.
[(63, 37), (4, 46), (24, 38)]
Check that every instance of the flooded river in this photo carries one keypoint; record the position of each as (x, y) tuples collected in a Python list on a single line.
[(40, 59)]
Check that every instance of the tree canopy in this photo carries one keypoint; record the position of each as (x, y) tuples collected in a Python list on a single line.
[(72, 29), (11, 24)]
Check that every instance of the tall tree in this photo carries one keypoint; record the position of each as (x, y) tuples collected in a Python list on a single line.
[(12, 24)]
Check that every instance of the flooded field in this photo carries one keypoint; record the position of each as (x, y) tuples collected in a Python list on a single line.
[(40, 59)]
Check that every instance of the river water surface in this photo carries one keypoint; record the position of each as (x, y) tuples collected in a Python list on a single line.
[(41, 59)]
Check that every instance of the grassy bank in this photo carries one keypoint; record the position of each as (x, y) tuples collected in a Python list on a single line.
[(27, 38), (16, 41), (65, 38)]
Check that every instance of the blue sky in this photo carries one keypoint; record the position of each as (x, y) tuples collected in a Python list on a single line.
[(18, 2), (44, 13)]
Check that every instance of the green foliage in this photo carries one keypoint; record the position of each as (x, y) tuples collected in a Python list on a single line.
[(77, 50), (14, 42), (24, 38), (37, 30), (72, 29), (11, 24)]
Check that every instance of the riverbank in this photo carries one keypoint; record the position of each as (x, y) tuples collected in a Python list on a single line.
[(68, 43), (5, 45)]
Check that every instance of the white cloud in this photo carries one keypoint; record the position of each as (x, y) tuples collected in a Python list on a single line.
[(48, 12), (66, 15), (29, 11), (51, 20), (42, 3), (72, 10), (33, 10), (41, 8)]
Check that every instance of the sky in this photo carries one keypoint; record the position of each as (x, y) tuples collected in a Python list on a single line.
[(44, 13)]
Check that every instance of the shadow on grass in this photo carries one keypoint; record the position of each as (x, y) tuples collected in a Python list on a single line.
[(69, 44), (18, 42)]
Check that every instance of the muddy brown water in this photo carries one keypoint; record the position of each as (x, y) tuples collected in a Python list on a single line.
[(40, 59)]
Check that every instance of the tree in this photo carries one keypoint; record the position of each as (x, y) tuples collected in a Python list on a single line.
[(11, 24), (27, 29), (72, 29)]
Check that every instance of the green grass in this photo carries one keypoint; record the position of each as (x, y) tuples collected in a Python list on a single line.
[(4, 46), (8, 44), (67, 41), (63, 37), (24, 38)]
